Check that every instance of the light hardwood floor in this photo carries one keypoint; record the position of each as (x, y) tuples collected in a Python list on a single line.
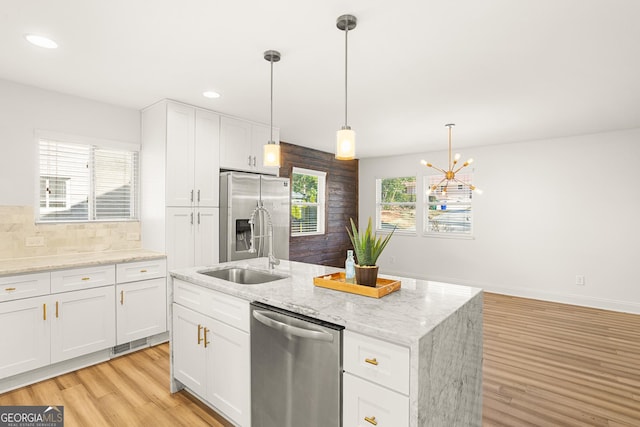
[(548, 364), (545, 364)]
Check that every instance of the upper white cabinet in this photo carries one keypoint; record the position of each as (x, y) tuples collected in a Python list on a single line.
[(241, 145), (192, 141)]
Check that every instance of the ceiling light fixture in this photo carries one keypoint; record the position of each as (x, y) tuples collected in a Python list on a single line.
[(210, 94), (41, 41), (271, 155), (346, 137), (450, 173)]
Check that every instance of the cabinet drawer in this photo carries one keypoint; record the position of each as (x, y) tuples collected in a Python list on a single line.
[(366, 404), (377, 361), (225, 308), (24, 286), (82, 278), (141, 270)]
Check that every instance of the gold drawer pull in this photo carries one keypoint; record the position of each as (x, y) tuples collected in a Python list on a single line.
[(205, 337), (371, 420), (199, 329), (144, 270), (44, 311), (10, 289), (86, 278), (122, 297), (372, 362), (57, 309)]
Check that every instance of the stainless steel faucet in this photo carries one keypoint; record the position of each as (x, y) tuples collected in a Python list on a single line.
[(273, 261)]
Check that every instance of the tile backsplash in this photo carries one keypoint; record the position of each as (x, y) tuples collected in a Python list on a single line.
[(21, 237)]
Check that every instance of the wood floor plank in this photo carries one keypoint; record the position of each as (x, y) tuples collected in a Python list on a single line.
[(545, 365)]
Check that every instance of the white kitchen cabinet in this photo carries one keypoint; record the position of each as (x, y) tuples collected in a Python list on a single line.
[(24, 286), (82, 322), (241, 145), (375, 382), (189, 353), (192, 144), (180, 176), (367, 404), (25, 332), (229, 375), (141, 309), (192, 236), (212, 357)]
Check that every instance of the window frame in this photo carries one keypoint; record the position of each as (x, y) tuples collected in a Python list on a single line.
[(468, 177), (379, 203), (93, 145), (321, 202)]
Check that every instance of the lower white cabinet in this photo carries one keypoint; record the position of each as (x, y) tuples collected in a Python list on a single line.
[(367, 404), (49, 329), (25, 333), (375, 382), (212, 359), (140, 309), (82, 322)]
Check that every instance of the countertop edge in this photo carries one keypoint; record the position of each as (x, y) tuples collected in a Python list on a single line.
[(18, 266)]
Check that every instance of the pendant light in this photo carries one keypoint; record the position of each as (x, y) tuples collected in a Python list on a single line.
[(450, 173), (346, 137), (271, 155)]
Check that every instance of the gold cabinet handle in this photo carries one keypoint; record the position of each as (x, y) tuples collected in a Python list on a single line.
[(86, 278), (372, 362), (205, 337), (371, 420), (9, 289), (44, 311), (199, 329), (122, 297), (57, 309), (144, 270)]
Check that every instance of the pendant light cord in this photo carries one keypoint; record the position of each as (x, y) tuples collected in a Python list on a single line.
[(271, 127), (346, 46)]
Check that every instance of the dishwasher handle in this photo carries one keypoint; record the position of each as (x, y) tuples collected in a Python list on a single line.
[(262, 317)]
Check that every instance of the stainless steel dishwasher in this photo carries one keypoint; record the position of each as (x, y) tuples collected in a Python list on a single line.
[(296, 370)]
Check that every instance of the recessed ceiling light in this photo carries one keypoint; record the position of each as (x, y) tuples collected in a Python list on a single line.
[(41, 41), (211, 94)]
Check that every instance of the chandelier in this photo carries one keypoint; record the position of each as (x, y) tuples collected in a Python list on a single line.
[(450, 173)]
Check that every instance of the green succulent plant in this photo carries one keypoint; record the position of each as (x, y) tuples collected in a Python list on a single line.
[(367, 245)]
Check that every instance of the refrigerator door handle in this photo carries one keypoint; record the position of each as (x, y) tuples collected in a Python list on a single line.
[(262, 317)]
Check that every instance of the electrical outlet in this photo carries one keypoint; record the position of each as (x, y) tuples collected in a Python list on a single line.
[(33, 241), (580, 280), (133, 236)]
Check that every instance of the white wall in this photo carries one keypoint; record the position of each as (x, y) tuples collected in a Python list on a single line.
[(551, 210), (24, 109)]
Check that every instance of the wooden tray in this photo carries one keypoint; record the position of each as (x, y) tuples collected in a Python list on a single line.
[(336, 281)]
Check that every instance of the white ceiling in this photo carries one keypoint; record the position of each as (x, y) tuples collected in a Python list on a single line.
[(502, 70)]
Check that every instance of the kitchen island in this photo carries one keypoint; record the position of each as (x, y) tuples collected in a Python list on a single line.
[(438, 326)]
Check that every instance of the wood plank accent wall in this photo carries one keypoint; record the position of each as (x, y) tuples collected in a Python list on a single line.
[(341, 204)]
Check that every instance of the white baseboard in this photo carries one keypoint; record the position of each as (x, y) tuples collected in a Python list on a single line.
[(573, 299)]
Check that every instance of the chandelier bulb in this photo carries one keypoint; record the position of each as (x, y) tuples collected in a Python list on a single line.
[(457, 157)]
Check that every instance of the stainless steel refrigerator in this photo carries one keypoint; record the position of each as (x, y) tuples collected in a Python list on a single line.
[(240, 194)]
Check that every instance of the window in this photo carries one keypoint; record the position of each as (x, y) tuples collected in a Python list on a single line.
[(450, 214), (86, 182), (396, 204), (307, 202)]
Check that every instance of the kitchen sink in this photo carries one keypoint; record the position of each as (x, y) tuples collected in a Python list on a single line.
[(242, 276)]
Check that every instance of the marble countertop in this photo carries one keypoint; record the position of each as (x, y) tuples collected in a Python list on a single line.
[(402, 317), (82, 259)]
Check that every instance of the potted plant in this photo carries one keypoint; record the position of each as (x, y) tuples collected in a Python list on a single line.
[(368, 248)]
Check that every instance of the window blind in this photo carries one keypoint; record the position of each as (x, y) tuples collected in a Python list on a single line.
[(84, 182), (451, 213)]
